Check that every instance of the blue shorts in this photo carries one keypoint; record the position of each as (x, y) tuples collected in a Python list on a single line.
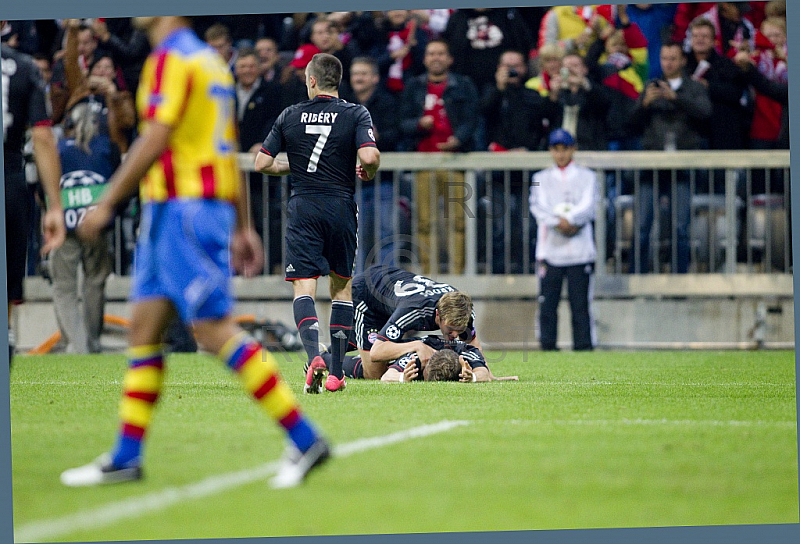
[(183, 255)]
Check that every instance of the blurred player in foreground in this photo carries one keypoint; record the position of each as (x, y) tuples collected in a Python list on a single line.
[(194, 220)]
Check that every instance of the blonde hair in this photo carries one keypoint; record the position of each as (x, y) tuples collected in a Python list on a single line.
[(84, 125), (455, 309), (546, 52)]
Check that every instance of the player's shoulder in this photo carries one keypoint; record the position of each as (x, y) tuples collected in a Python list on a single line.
[(351, 106), (349, 110), (183, 43)]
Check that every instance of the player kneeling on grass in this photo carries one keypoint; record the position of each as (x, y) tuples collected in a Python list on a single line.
[(391, 302), (194, 226)]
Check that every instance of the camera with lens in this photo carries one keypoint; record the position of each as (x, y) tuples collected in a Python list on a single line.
[(512, 73)]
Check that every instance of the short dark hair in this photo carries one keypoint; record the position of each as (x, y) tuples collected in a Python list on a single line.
[(327, 69), (443, 366), (439, 40), (247, 52), (43, 56), (673, 43), (101, 57)]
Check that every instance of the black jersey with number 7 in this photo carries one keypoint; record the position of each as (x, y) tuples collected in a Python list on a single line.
[(321, 138)]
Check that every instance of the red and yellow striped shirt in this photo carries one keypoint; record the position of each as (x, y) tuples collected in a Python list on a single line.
[(187, 86)]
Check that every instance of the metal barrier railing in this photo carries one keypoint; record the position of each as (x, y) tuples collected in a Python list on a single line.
[(737, 202)]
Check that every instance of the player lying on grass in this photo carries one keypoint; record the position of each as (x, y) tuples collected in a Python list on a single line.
[(452, 360)]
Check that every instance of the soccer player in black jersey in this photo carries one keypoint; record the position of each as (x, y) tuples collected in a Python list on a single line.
[(24, 106), (390, 301), (323, 138), (452, 360)]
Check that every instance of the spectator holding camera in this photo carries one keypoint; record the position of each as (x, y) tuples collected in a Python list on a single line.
[(516, 120), (581, 104), (127, 46), (97, 86)]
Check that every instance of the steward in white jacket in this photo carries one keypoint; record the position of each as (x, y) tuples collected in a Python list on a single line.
[(563, 200)]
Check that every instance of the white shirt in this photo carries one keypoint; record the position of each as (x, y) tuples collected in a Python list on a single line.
[(571, 193)]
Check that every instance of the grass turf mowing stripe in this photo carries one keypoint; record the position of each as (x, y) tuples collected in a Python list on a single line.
[(654, 422), (136, 506)]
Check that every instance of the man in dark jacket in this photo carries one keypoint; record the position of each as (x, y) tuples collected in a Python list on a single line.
[(257, 106), (669, 115), (438, 113), (364, 89), (582, 105), (517, 120), (727, 85)]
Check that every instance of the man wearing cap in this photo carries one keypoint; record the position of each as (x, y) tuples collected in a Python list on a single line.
[(563, 200)]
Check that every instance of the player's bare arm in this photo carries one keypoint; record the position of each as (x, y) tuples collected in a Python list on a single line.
[(49, 167), (267, 164), (410, 373), (384, 351), (125, 181), (469, 374), (369, 159), (247, 252), (392, 375)]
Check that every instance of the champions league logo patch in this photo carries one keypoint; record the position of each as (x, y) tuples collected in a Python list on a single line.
[(81, 178), (393, 333)]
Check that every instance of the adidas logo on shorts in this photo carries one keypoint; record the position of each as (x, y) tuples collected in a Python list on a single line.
[(290, 268)]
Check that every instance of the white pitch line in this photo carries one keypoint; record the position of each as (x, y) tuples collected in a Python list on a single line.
[(138, 506)]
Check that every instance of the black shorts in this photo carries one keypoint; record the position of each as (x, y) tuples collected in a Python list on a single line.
[(367, 323), (321, 237), (18, 222)]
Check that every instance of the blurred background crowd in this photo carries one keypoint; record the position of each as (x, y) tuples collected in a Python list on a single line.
[(514, 74)]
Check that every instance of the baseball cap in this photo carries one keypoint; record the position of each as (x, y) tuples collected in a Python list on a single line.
[(561, 136), (303, 55)]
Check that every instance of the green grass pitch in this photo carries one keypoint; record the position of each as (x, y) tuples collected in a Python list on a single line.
[(583, 440)]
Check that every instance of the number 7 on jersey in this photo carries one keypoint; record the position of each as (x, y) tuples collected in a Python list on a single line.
[(324, 131)]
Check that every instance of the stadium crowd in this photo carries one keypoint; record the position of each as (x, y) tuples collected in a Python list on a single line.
[(504, 79)]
